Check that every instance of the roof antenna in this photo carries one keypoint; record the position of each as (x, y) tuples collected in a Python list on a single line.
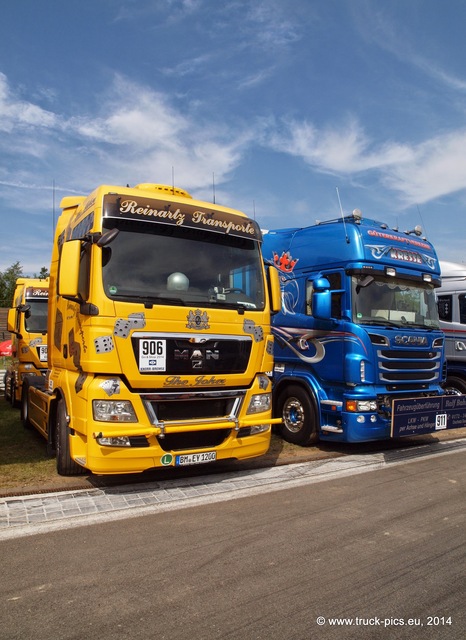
[(342, 216), (422, 221), (213, 187), (173, 180)]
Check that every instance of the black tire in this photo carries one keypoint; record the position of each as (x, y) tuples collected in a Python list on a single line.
[(14, 403), (24, 406), (455, 384), (6, 391), (66, 466), (299, 416)]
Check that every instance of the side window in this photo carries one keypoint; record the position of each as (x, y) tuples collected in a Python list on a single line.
[(462, 303), (444, 304), (84, 272), (337, 293)]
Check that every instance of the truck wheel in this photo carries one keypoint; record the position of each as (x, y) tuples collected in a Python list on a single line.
[(455, 385), (7, 391), (66, 466), (24, 406), (13, 401), (299, 424)]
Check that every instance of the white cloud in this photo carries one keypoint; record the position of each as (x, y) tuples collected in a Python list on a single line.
[(419, 173), (343, 150), (438, 168), (139, 135), (16, 113)]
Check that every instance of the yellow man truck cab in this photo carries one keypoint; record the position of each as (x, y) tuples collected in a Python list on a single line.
[(27, 323), (160, 350)]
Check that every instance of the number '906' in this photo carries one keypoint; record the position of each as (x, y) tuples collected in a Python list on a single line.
[(151, 348)]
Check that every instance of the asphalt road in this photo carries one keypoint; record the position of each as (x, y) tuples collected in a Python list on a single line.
[(365, 553)]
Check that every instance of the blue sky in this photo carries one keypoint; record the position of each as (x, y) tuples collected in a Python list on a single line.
[(280, 102)]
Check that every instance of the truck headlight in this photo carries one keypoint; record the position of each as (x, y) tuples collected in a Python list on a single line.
[(260, 402), (113, 411), (359, 406), (122, 441)]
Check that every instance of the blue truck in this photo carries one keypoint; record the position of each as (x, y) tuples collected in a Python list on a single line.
[(359, 354)]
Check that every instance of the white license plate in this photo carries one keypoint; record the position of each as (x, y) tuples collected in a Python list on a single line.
[(152, 355), (195, 458)]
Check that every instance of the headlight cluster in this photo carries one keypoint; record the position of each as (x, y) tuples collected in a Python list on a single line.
[(259, 403), (360, 406), (113, 411)]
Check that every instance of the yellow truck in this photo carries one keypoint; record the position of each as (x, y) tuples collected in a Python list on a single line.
[(160, 346), (27, 323)]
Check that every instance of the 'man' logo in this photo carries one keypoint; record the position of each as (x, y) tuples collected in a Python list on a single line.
[(196, 356)]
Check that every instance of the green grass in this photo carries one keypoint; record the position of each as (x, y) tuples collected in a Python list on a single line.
[(23, 457)]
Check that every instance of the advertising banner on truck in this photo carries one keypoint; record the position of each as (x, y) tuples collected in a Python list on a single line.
[(418, 416)]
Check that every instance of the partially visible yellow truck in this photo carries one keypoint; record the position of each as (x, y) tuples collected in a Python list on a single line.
[(160, 345), (27, 323)]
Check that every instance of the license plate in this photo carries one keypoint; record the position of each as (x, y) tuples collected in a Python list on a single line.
[(195, 458), (441, 421), (152, 355)]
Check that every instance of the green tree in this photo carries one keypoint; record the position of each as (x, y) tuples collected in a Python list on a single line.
[(8, 282), (44, 273)]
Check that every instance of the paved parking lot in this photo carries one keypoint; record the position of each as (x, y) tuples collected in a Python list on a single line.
[(26, 515)]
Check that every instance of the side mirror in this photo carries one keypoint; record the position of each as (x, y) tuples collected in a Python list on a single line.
[(68, 276), (11, 321), (321, 299), (275, 290), (322, 305)]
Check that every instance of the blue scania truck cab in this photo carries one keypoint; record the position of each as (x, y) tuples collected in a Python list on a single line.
[(359, 354)]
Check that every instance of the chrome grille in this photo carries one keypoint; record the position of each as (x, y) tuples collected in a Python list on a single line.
[(405, 366)]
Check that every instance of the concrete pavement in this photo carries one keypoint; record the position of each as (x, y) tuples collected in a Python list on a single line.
[(28, 515)]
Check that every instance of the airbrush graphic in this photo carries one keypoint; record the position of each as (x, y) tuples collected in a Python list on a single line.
[(381, 251), (290, 292), (300, 341), (285, 262)]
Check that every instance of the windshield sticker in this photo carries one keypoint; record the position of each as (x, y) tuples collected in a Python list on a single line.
[(210, 219), (123, 327), (34, 292), (104, 344), (398, 238), (380, 251), (198, 320), (256, 331)]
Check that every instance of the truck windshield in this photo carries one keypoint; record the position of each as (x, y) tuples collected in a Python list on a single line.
[(36, 316), (161, 264), (388, 302)]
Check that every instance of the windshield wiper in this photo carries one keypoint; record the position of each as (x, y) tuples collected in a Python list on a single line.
[(150, 300), (381, 322), (420, 325)]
